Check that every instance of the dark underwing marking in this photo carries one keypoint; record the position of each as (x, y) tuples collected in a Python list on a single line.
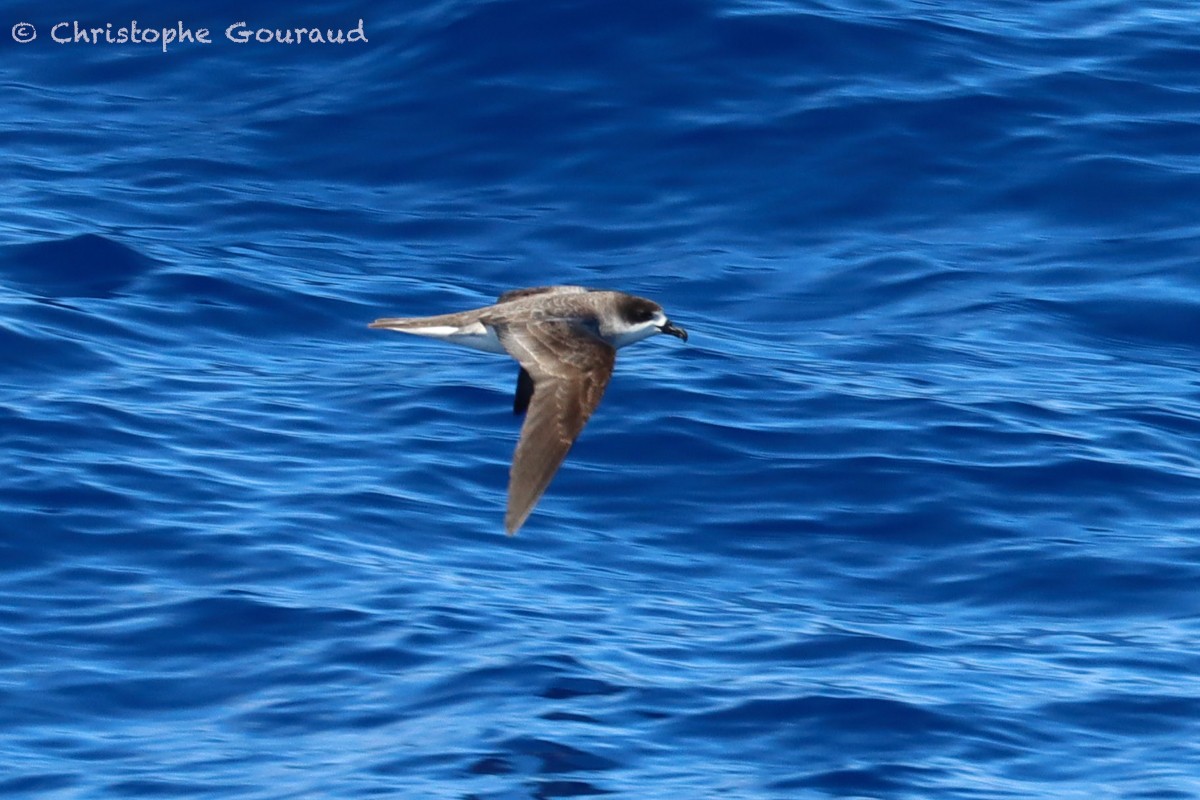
[(524, 392)]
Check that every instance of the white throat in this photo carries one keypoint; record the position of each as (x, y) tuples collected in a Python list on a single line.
[(642, 330)]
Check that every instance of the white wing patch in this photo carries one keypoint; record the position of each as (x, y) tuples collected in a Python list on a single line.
[(437, 331), (476, 336)]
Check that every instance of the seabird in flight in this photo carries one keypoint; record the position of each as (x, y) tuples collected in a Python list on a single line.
[(565, 338)]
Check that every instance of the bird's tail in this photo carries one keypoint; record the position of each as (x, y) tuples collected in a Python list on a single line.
[(412, 323)]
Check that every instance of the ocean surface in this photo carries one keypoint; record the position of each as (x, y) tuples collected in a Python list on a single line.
[(915, 513)]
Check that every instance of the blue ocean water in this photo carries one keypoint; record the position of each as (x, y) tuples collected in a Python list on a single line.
[(915, 513)]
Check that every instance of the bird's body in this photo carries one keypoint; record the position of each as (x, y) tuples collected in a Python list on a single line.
[(565, 338)]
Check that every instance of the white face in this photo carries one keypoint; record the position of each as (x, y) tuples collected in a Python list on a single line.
[(639, 331)]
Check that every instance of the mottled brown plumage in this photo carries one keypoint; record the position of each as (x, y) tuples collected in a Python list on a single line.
[(565, 338)]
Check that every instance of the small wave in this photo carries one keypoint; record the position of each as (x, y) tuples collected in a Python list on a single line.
[(89, 265)]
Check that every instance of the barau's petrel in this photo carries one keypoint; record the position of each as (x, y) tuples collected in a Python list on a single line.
[(565, 338)]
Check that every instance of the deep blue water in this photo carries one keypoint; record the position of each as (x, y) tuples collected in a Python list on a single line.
[(914, 514)]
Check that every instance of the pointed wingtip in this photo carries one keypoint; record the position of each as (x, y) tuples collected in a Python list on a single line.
[(513, 520), (391, 323)]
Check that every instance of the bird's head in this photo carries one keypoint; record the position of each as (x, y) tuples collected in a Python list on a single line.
[(639, 318)]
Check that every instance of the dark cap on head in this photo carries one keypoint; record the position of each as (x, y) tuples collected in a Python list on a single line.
[(639, 309)]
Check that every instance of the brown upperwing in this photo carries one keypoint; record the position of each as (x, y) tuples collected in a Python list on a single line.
[(570, 368), (517, 294)]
